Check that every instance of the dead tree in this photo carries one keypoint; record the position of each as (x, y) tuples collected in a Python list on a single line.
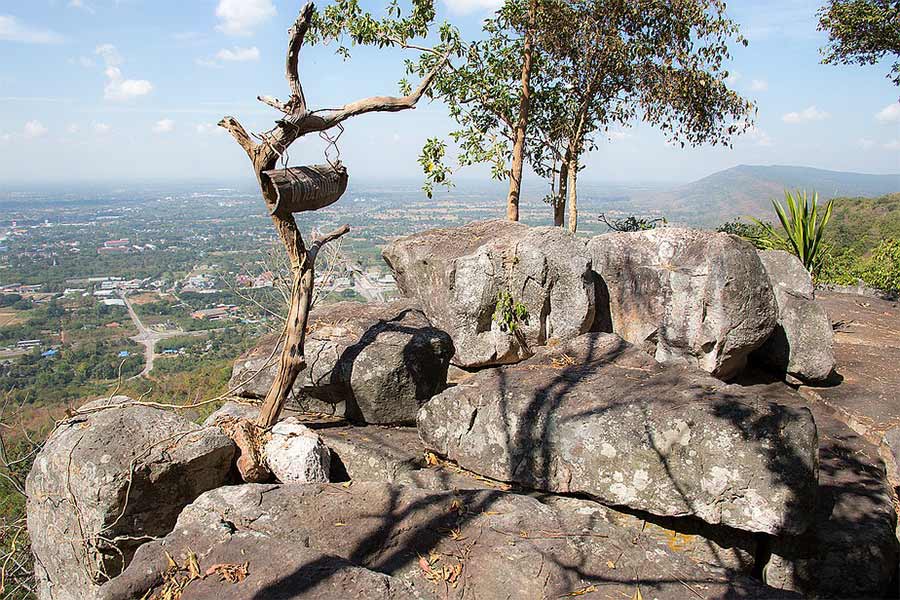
[(287, 191)]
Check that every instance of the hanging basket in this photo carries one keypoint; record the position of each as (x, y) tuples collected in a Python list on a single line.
[(306, 188)]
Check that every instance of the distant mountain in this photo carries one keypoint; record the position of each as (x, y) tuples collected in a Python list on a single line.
[(748, 190)]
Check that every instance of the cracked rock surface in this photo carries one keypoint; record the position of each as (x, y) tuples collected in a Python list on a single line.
[(460, 274), (599, 417)]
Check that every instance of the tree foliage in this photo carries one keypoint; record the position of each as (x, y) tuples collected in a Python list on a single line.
[(597, 65), (862, 32)]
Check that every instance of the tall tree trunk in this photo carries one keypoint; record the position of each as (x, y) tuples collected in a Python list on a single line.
[(572, 191), (518, 155), (559, 209)]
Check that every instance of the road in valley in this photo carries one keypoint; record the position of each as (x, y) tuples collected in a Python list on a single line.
[(148, 338), (368, 289)]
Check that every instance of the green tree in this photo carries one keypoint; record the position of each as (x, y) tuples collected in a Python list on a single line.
[(595, 64), (613, 62), (862, 32)]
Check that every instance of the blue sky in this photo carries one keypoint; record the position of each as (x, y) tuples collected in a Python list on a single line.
[(119, 90)]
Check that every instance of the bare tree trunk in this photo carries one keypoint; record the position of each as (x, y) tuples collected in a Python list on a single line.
[(572, 192), (518, 155), (559, 209), (298, 121)]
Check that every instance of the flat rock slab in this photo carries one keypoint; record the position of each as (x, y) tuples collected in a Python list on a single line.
[(460, 275), (380, 361), (684, 295), (851, 550), (867, 351), (597, 416), (433, 545), (395, 455), (108, 480)]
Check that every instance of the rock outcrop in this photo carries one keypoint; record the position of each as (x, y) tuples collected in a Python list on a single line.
[(332, 541), (851, 550), (599, 417), (802, 344), (381, 361), (685, 295), (106, 481), (500, 288)]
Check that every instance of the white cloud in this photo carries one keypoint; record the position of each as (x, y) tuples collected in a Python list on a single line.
[(110, 55), (810, 113), (34, 129), (733, 77), (889, 113), (73, 128), (238, 54), (865, 143), (892, 145), (5, 137), (759, 85), (241, 17), (102, 128), (465, 7), (13, 30), (118, 88), (164, 126)]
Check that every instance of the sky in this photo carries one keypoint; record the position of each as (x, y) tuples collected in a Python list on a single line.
[(131, 90)]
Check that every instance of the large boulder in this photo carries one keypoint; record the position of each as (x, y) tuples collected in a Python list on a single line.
[(329, 541), (500, 288), (380, 360), (106, 481), (599, 417), (802, 344), (852, 549), (685, 295)]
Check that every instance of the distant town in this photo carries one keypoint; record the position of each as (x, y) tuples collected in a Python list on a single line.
[(98, 286)]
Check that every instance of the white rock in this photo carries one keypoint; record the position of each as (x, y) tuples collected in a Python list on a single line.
[(296, 454)]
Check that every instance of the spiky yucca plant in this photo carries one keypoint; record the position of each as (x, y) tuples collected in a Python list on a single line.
[(803, 228)]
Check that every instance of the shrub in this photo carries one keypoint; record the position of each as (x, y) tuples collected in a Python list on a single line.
[(632, 223), (802, 227), (882, 269), (755, 233)]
